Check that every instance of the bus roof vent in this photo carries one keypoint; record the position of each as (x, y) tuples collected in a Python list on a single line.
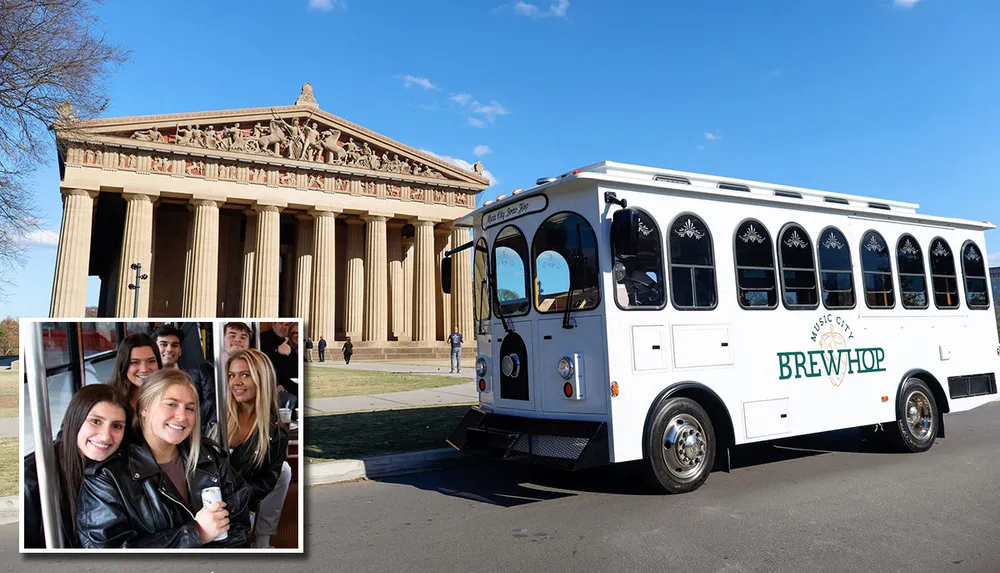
[(544, 180), (882, 206), (836, 200), (734, 187), (789, 194), (671, 179)]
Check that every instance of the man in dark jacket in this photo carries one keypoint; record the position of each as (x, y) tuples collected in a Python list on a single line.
[(236, 336), (277, 345), (322, 349)]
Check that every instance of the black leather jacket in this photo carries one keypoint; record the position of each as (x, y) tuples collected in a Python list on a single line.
[(34, 528), (128, 501), (263, 479), (203, 377)]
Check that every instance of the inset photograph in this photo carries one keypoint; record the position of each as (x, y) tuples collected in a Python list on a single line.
[(161, 435)]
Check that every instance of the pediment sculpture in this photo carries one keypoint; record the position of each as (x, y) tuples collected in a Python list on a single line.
[(301, 141)]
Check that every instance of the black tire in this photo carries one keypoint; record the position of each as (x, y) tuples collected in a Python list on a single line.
[(679, 469), (917, 418)]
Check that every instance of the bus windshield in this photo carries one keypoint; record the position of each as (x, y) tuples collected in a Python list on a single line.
[(564, 264)]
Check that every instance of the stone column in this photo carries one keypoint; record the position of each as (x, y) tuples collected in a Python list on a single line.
[(395, 272), (202, 278), (461, 286), (137, 247), (354, 306), (376, 318), (249, 265), (423, 282), (409, 254), (69, 285), (324, 277), (265, 291), (442, 244), (303, 268)]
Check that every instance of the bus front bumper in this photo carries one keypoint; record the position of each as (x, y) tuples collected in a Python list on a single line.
[(561, 444)]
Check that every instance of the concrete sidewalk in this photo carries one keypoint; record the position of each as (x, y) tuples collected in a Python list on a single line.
[(464, 393), (468, 372), (8, 427)]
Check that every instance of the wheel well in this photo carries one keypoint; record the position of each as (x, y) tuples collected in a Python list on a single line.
[(927, 378), (717, 412)]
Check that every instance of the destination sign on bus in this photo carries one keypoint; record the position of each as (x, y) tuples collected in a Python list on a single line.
[(527, 206)]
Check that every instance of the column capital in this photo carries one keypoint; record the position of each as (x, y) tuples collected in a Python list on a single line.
[(373, 217), (266, 208), (66, 192), (141, 197), (422, 223), (204, 203), (317, 212)]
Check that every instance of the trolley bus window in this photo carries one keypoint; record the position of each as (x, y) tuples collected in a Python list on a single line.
[(975, 277), (835, 276), (639, 281), (943, 275), (755, 281), (798, 269), (481, 288), (510, 268), (692, 264), (912, 278), (876, 269), (565, 264)]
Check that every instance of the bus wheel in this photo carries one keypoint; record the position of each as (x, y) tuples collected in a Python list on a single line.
[(680, 448), (916, 429)]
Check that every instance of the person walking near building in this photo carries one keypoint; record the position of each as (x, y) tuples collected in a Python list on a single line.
[(348, 350), (309, 349), (455, 338), (322, 349)]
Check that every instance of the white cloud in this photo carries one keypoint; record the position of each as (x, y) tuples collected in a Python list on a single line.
[(464, 165), (476, 122), (461, 99), (425, 83), (42, 237), (557, 10), (490, 111), (712, 137), (905, 3), (482, 150), (327, 5), (994, 259)]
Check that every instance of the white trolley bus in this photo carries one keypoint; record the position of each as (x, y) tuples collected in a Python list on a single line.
[(626, 312)]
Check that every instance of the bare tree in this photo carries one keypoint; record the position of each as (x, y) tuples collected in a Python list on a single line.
[(51, 53)]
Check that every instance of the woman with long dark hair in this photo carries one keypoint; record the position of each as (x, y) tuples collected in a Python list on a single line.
[(253, 419), (137, 359), (153, 495), (92, 430)]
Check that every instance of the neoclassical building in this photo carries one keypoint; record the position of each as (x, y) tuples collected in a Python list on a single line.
[(268, 212)]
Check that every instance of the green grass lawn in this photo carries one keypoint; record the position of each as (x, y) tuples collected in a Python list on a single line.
[(336, 382), (9, 393), (368, 434), (9, 473)]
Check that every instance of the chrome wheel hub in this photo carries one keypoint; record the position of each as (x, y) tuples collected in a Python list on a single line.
[(684, 446), (919, 415)]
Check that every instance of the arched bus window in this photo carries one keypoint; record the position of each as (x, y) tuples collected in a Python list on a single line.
[(639, 281), (510, 269), (564, 264), (876, 269), (835, 271), (798, 269), (943, 275), (755, 281), (692, 264), (974, 270), (481, 287), (912, 277)]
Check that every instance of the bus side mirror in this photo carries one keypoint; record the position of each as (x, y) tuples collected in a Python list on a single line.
[(446, 275), (625, 233)]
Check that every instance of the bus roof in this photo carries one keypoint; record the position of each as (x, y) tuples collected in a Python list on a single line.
[(735, 189)]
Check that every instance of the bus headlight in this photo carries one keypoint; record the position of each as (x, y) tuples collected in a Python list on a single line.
[(480, 366), (565, 367)]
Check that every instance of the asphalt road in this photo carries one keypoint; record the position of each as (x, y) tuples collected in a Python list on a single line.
[(818, 504)]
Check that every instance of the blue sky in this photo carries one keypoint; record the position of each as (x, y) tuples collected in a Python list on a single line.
[(889, 98)]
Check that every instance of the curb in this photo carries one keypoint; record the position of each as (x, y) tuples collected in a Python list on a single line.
[(385, 466), (9, 509)]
